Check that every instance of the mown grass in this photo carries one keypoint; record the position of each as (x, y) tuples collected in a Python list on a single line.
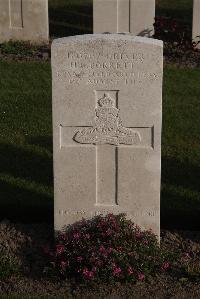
[(181, 9), (70, 17), (26, 178), (181, 148), (25, 141)]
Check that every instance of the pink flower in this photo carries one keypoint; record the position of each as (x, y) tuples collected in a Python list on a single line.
[(63, 236), (88, 274), (79, 259), (138, 234), (119, 249), (102, 249), (108, 232), (87, 236), (110, 250), (63, 265), (111, 216), (145, 242), (130, 270), (76, 235), (165, 266), (101, 223), (117, 271), (85, 271), (115, 226), (60, 249), (141, 276)]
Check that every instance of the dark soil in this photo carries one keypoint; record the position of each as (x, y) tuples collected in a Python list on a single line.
[(25, 241), (24, 51), (181, 56)]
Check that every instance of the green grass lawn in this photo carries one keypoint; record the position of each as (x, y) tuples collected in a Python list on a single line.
[(181, 147), (180, 9), (70, 17), (26, 184), (26, 179)]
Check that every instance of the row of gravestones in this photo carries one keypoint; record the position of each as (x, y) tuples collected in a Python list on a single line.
[(28, 19)]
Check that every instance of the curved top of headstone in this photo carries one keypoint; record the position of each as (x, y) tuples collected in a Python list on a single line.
[(108, 37)]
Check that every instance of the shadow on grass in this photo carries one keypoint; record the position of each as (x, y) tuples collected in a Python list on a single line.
[(180, 205), (26, 164), (184, 15), (182, 11), (26, 182), (182, 174), (23, 205), (45, 142), (73, 20)]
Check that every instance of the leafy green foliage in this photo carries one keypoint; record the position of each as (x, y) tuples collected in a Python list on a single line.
[(19, 48), (192, 269), (8, 265)]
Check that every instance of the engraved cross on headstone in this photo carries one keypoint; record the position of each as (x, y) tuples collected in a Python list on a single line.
[(107, 135)]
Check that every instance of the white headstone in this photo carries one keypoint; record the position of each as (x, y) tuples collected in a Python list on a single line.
[(25, 20), (133, 16), (107, 92), (196, 21)]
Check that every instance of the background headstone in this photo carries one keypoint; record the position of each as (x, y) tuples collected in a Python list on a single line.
[(25, 20), (133, 16), (107, 92), (196, 21)]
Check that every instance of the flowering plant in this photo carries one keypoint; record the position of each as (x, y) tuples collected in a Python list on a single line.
[(107, 249), (169, 29)]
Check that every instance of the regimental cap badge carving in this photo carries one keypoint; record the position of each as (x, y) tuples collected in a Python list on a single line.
[(108, 128), (106, 101)]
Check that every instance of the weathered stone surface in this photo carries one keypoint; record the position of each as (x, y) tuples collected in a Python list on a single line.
[(107, 92), (133, 16), (196, 21), (25, 20)]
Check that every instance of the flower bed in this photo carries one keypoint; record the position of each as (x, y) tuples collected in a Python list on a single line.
[(107, 249)]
